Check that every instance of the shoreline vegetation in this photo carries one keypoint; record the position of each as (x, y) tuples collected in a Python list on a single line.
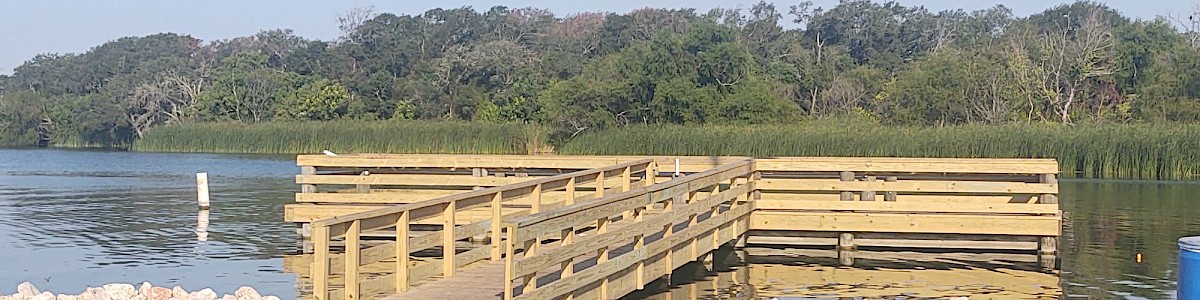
[(1116, 151), (1107, 94)]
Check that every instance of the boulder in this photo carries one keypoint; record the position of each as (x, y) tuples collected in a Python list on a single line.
[(27, 290), (179, 293), (44, 296), (205, 294), (119, 291), (67, 297), (247, 293), (144, 289)]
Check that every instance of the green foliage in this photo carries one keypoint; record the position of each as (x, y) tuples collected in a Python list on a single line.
[(344, 137), (876, 62), (320, 100), (1168, 151)]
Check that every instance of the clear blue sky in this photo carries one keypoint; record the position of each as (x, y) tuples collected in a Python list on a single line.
[(28, 28)]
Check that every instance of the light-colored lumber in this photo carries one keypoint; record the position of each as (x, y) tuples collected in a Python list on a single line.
[(974, 187), (915, 207), (911, 223)]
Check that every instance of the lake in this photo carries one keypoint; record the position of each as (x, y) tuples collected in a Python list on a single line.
[(73, 219)]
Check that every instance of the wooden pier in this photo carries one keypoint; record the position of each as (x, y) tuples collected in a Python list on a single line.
[(600, 227)]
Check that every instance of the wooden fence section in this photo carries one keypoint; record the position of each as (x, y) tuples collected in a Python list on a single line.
[(938, 200), (406, 268), (338, 185), (663, 226)]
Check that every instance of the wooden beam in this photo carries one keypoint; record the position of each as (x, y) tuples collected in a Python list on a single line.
[(411, 180), (936, 198), (902, 223), (916, 207), (974, 187), (909, 165)]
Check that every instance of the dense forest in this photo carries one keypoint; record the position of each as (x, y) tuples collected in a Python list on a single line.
[(572, 74)]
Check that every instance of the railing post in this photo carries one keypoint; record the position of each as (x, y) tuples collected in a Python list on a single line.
[(403, 282), (868, 195), (509, 259), (847, 195), (570, 192), (536, 206), (308, 188), (602, 255), (600, 184), (889, 196), (364, 188), (320, 269), (448, 251), (651, 173), (353, 251), (626, 177), (497, 214)]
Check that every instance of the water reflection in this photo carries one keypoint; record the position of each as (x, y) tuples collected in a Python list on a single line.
[(72, 219), (767, 273)]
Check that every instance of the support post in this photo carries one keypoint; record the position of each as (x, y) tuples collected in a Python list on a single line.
[(846, 242), (497, 214), (353, 254), (202, 190), (847, 195), (308, 188), (1048, 245), (364, 188), (889, 196), (402, 251), (448, 247), (868, 195)]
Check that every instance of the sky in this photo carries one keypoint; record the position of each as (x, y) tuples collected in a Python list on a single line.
[(28, 28)]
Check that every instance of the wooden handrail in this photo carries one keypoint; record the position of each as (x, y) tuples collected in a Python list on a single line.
[(526, 231), (401, 216), (702, 179), (438, 202)]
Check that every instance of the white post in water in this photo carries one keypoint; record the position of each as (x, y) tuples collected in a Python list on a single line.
[(202, 190)]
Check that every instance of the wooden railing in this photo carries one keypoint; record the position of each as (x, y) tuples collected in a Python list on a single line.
[(407, 271), (351, 183), (634, 237), (992, 201)]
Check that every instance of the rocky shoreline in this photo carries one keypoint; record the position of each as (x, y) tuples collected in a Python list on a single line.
[(121, 291)]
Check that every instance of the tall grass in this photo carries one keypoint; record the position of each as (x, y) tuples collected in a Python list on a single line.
[(1094, 151), (344, 137)]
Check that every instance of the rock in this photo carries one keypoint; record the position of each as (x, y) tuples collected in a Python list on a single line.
[(270, 298), (27, 290), (119, 291), (44, 296), (179, 293), (144, 289), (67, 297), (205, 294), (229, 297), (159, 293), (92, 294), (247, 293)]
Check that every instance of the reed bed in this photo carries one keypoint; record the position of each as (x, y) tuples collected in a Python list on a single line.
[(1160, 152), (344, 137)]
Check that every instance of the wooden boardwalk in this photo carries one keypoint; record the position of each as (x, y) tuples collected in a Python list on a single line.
[(603, 227)]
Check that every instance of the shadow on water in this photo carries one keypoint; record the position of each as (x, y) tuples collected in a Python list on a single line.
[(756, 272)]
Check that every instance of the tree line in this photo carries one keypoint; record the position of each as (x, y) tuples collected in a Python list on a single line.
[(878, 62)]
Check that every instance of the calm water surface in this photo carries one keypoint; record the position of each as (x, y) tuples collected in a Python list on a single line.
[(72, 219)]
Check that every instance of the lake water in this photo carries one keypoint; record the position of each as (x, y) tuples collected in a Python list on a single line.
[(73, 219)]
